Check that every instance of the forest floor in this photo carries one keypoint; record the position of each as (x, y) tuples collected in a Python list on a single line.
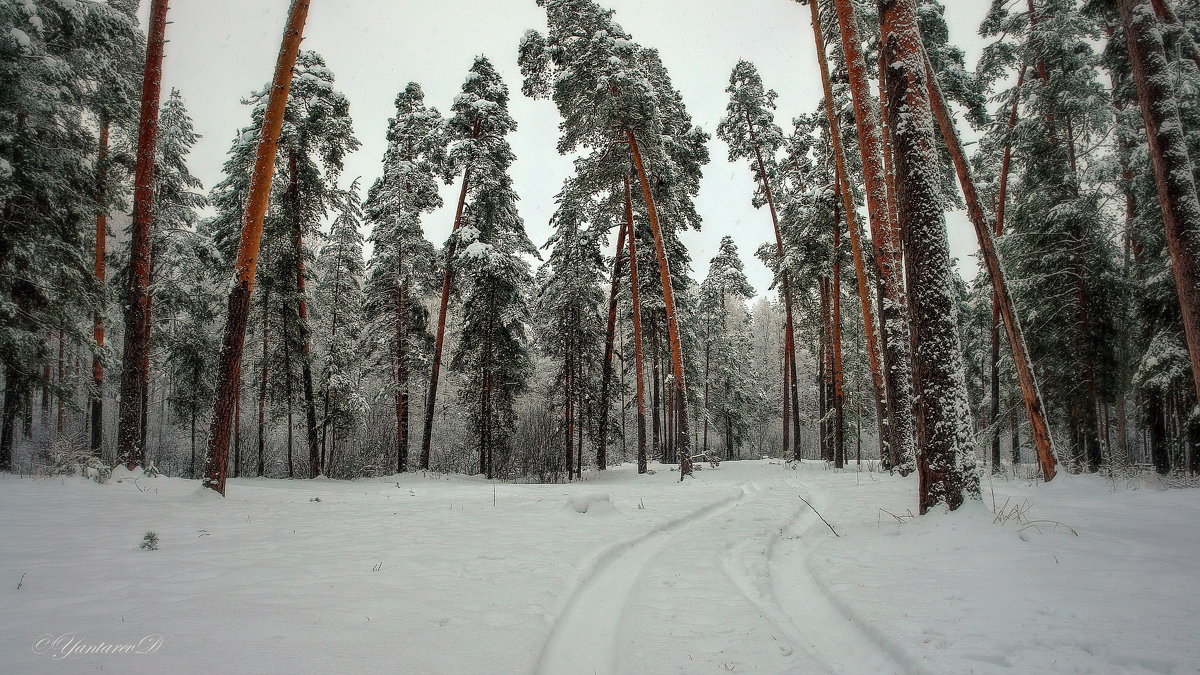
[(728, 572)]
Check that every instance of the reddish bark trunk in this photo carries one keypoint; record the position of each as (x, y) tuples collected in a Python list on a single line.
[(100, 273), (664, 273), (440, 339), (230, 361), (886, 237), (133, 375), (860, 272)]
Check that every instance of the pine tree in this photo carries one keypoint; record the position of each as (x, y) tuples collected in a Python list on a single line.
[(492, 353), (233, 342), (137, 320), (722, 318), (608, 89), (568, 309), (340, 301), (750, 131), (402, 260)]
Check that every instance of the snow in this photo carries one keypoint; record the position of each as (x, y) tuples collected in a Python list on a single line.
[(729, 571)]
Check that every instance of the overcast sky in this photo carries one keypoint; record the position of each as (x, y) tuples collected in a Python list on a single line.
[(220, 50)]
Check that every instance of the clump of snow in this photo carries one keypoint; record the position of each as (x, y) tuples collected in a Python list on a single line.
[(593, 503)]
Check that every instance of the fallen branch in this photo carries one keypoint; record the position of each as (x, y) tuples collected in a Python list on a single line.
[(814, 509)]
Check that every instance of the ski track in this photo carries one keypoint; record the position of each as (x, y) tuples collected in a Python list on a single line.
[(841, 637), (584, 638)]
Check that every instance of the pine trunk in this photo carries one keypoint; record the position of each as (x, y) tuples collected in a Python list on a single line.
[(233, 342), (137, 338), (945, 452), (1034, 407), (636, 311), (262, 388), (886, 237), (1171, 162), (606, 374), (440, 339), (401, 379), (839, 392), (100, 273), (879, 388), (664, 273)]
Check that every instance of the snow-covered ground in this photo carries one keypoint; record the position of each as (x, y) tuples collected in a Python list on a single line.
[(730, 572)]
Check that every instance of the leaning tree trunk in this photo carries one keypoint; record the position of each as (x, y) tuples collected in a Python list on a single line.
[(879, 388), (137, 338), (945, 452), (606, 373), (789, 330), (440, 339), (1034, 407), (636, 310), (1171, 162), (97, 394), (664, 272), (886, 236), (230, 361)]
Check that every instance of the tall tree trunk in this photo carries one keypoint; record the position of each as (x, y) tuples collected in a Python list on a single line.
[(310, 404), (237, 430), (886, 237), (707, 366), (827, 451), (1001, 297), (606, 373), (60, 407), (787, 401), (401, 378), (97, 394), (287, 385), (137, 339), (230, 361), (1171, 162), (945, 452), (879, 388), (636, 311), (664, 273), (839, 392), (440, 339)]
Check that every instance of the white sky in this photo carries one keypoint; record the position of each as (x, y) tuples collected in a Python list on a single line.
[(220, 50)]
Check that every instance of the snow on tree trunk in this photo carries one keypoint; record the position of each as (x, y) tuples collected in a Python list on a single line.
[(1171, 161), (137, 337), (233, 342), (1034, 407), (945, 448)]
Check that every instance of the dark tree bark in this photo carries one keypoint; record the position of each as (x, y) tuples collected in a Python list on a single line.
[(606, 373), (137, 338), (233, 342), (636, 311), (835, 310)]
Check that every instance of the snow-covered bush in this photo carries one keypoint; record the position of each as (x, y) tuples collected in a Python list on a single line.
[(67, 457)]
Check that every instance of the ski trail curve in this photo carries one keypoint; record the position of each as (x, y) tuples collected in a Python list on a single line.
[(840, 638), (584, 638)]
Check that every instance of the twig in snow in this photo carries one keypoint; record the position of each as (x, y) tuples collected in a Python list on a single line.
[(820, 516), (22, 580)]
